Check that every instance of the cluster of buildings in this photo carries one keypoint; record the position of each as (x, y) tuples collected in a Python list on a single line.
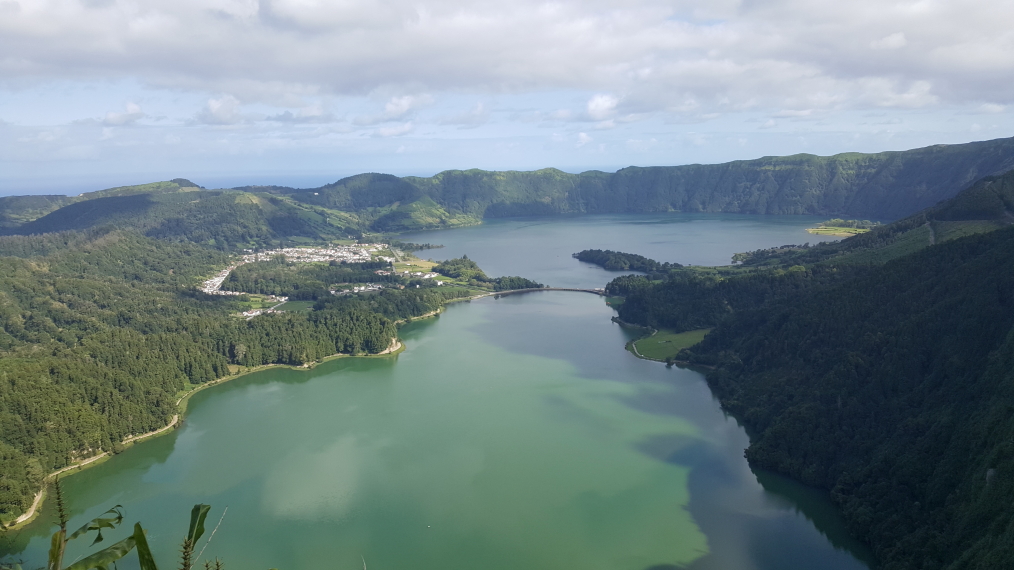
[(213, 286), (358, 289), (420, 274), (351, 253)]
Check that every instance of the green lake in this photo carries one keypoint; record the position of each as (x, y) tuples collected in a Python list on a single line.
[(512, 433), (541, 248)]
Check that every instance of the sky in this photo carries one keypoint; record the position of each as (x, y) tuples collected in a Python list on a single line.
[(102, 93)]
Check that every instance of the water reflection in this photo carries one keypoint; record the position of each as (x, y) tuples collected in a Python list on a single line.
[(512, 433)]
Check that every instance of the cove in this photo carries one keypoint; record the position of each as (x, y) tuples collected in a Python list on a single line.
[(511, 433)]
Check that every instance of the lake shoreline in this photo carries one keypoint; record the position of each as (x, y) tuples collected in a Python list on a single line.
[(396, 348), (33, 512)]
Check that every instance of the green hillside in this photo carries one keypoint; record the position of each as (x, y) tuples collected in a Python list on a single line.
[(886, 185), (880, 369), (985, 206), (224, 219), (17, 210), (893, 390)]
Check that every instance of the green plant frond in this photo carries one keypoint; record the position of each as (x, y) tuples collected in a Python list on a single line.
[(197, 516), (144, 557), (56, 550), (103, 559), (99, 523)]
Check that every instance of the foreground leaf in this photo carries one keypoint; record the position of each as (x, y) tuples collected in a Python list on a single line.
[(56, 550), (143, 552), (102, 559), (197, 517), (100, 522)]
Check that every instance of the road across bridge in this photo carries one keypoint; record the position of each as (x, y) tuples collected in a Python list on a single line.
[(513, 291)]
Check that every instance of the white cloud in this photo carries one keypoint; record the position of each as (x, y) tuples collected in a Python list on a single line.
[(399, 107), (657, 53), (308, 114), (602, 106), (326, 84), (131, 115), (221, 111), (887, 93)]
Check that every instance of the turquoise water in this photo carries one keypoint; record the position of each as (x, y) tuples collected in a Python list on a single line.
[(511, 433)]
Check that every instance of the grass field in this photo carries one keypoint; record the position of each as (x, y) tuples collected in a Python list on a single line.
[(666, 344), (835, 231), (257, 302), (414, 265)]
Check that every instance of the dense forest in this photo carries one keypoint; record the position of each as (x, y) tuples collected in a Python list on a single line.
[(887, 185), (882, 373), (619, 261), (101, 330), (464, 268), (892, 390)]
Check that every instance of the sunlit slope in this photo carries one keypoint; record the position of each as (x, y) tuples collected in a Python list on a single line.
[(17, 210), (214, 217)]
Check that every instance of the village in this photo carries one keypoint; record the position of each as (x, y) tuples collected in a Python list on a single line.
[(352, 254), (349, 253)]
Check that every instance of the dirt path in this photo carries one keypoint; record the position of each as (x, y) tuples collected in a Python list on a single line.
[(395, 345), (633, 345), (172, 424)]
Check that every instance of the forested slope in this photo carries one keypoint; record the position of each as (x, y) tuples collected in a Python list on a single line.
[(880, 368), (223, 219), (100, 330), (893, 390)]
